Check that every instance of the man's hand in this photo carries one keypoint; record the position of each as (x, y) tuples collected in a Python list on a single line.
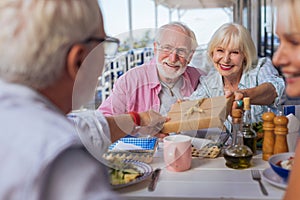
[(151, 123)]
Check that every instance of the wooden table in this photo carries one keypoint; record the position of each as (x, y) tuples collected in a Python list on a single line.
[(207, 179)]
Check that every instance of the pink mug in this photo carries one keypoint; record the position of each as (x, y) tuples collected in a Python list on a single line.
[(178, 152)]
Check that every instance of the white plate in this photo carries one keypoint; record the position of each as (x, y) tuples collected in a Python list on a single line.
[(142, 167), (271, 177), (200, 142)]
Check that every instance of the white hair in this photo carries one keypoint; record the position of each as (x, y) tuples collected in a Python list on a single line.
[(183, 27), (235, 36), (36, 35)]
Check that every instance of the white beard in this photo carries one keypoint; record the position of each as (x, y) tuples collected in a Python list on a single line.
[(169, 74)]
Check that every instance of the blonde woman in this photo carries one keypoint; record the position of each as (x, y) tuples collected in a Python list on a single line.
[(287, 58), (238, 70)]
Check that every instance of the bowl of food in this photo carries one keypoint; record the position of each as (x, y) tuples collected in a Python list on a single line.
[(282, 163)]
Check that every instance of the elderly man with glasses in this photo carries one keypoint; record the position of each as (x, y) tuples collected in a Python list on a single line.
[(161, 82)]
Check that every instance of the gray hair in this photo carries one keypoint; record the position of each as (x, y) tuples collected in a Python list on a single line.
[(235, 36), (183, 27), (37, 36)]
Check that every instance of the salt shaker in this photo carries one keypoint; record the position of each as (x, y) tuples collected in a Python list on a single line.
[(281, 132), (269, 136)]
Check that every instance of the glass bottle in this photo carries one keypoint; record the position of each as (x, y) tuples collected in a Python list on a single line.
[(238, 155), (248, 132)]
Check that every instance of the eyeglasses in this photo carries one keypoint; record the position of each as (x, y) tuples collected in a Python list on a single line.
[(110, 45), (168, 49)]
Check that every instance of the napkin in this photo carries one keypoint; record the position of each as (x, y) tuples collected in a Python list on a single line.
[(292, 136), (133, 143), (126, 146)]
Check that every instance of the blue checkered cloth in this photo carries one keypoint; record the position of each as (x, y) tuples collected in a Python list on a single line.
[(145, 143)]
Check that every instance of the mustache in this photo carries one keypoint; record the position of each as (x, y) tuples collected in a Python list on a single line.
[(168, 62)]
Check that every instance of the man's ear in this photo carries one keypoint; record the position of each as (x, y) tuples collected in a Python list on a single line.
[(74, 60)]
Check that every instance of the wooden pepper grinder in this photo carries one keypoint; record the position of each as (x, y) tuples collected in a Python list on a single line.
[(280, 131), (269, 136)]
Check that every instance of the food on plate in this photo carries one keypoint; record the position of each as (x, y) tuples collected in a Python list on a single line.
[(286, 164), (123, 176)]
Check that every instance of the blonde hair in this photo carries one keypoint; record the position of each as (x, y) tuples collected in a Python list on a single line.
[(183, 27), (38, 34), (234, 36), (289, 15)]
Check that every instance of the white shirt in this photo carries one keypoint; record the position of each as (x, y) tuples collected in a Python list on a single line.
[(167, 99), (41, 154)]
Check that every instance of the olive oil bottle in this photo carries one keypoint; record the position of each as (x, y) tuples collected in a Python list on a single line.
[(248, 132), (238, 155)]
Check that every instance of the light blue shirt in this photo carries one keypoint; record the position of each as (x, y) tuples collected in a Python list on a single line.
[(212, 86), (41, 154)]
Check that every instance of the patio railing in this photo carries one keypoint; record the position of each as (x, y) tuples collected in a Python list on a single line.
[(116, 67)]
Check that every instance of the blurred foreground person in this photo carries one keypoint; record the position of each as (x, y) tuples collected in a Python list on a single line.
[(44, 70), (287, 58)]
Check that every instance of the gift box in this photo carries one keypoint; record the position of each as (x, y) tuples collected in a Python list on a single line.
[(198, 114)]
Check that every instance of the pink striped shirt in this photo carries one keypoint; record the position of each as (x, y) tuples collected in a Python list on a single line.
[(138, 89)]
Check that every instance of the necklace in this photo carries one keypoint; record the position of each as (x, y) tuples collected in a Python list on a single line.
[(169, 87)]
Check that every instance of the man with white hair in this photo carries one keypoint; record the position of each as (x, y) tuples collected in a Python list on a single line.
[(161, 82), (50, 61)]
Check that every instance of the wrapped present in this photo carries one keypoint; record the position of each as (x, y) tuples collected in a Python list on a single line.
[(198, 114)]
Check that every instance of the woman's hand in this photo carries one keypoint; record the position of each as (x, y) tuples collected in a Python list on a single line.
[(263, 94), (238, 99)]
